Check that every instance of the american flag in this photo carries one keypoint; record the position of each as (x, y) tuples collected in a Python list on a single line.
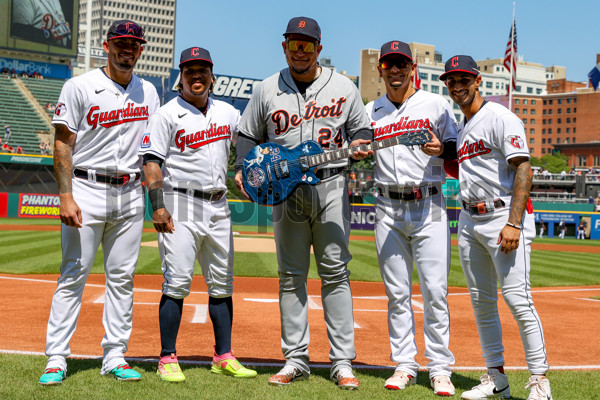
[(510, 57)]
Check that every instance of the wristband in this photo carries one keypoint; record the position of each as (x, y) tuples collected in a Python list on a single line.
[(156, 199), (513, 225)]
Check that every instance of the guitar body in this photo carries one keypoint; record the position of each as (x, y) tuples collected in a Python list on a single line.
[(271, 172)]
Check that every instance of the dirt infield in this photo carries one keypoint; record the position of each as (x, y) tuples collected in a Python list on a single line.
[(26, 301)]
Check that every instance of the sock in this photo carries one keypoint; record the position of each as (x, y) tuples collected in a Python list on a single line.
[(169, 318), (221, 314), (501, 369)]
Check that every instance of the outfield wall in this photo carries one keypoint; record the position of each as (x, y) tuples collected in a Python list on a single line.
[(35, 205)]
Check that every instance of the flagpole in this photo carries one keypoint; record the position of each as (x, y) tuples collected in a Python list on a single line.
[(512, 60)]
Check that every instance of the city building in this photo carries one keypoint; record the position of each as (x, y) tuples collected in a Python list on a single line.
[(531, 77), (565, 119), (157, 17)]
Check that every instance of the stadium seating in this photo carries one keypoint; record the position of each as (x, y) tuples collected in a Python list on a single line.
[(24, 121), (44, 90)]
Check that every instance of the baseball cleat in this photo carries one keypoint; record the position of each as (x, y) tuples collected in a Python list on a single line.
[(52, 376), (442, 385), (227, 364), (345, 379), (125, 373), (169, 369), (286, 375), (539, 388), (400, 380), (494, 385)]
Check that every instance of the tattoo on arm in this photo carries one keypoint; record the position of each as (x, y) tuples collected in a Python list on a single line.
[(153, 176), (521, 189), (63, 158)]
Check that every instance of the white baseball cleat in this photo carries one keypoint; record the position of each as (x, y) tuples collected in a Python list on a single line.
[(400, 380), (442, 385), (539, 388), (494, 385)]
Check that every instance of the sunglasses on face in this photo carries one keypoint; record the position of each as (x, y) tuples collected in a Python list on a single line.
[(399, 63), (307, 47), (461, 81), (128, 28)]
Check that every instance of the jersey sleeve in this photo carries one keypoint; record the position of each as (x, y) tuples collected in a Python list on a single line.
[(446, 127), (511, 136), (358, 118), (69, 109), (252, 122), (157, 138)]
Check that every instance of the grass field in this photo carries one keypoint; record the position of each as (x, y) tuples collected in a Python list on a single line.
[(549, 268), (38, 252)]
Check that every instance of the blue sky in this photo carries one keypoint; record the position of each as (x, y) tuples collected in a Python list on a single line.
[(244, 37)]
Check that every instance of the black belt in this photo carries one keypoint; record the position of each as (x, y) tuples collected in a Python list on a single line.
[(210, 196), (117, 180), (416, 194), (329, 172), (481, 208)]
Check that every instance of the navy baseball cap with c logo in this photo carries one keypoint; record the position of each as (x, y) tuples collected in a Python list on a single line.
[(395, 47), (304, 26), (194, 54), (125, 29), (460, 63)]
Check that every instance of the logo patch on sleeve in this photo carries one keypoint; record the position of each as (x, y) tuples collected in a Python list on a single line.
[(60, 110), (515, 141), (146, 141)]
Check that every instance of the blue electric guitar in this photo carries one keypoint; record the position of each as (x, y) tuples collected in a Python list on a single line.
[(271, 172)]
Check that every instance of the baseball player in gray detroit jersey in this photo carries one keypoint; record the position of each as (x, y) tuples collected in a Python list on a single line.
[(191, 134), (99, 119), (411, 217), (495, 230), (299, 103)]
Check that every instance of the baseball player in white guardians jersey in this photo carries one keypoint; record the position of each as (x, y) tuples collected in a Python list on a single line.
[(496, 228), (282, 110), (191, 134), (40, 21), (99, 119), (412, 225)]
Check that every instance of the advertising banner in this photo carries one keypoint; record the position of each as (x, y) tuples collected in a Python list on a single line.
[(38, 205)]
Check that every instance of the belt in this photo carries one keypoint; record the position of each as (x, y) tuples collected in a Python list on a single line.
[(481, 207), (416, 194), (329, 172), (210, 196), (117, 180)]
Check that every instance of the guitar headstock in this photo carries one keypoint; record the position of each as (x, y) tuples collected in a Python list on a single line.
[(415, 138)]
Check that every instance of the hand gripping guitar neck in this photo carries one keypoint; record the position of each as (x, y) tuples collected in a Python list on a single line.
[(271, 172)]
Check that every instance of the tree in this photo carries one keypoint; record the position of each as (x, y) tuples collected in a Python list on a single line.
[(553, 163)]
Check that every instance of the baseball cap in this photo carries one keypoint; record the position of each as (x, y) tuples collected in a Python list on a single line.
[(395, 47), (304, 26), (125, 28), (460, 63), (194, 54)]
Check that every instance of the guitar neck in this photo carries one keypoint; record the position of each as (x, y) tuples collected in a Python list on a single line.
[(334, 155)]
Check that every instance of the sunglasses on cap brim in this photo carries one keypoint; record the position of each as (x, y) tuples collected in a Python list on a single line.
[(307, 47), (128, 29)]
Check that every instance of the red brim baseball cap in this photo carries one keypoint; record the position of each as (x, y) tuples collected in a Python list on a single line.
[(460, 63), (194, 54)]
